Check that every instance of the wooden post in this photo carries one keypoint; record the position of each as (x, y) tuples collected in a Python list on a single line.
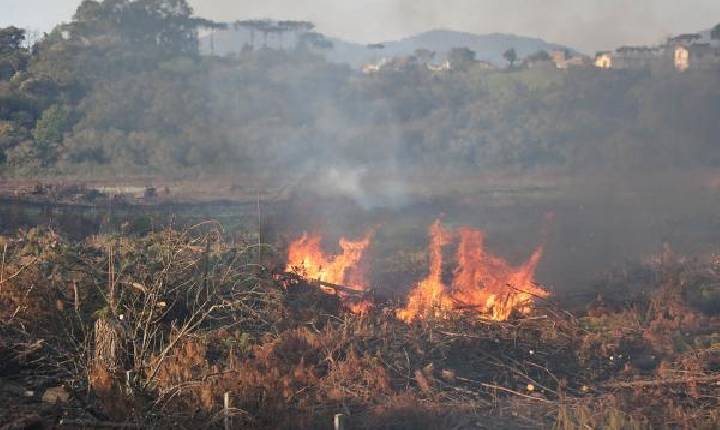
[(226, 410), (76, 293), (2, 266), (111, 281), (259, 242), (339, 422), (128, 382)]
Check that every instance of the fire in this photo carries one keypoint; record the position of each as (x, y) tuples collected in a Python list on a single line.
[(482, 282), (430, 297), (488, 283), (340, 272)]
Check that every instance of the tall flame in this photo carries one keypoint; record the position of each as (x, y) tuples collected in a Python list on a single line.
[(482, 282), (307, 259), (488, 283), (429, 297)]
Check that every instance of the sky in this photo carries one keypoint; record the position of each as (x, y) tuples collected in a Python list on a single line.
[(587, 25)]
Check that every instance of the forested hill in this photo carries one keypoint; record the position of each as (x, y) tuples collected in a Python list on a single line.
[(124, 88), (488, 47)]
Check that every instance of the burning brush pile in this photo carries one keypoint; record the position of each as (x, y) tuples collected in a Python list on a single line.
[(341, 274), (483, 284), (157, 331)]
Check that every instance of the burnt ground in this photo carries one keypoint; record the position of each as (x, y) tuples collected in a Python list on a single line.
[(633, 261), (588, 225)]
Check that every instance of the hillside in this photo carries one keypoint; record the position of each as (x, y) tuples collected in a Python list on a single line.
[(489, 47)]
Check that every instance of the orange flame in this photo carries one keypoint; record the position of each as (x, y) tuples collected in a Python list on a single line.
[(488, 283), (430, 298), (307, 259), (482, 282)]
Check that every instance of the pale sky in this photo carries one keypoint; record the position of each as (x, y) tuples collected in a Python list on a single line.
[(588, 25)]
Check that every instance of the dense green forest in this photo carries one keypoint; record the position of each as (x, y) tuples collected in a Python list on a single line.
[(123, 89)]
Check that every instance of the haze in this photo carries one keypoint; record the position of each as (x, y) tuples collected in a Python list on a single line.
[(587, 25)]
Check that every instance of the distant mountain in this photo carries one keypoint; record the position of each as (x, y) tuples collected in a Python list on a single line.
[(488, 47)]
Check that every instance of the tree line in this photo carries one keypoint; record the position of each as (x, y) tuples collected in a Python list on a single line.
[(124, 88)]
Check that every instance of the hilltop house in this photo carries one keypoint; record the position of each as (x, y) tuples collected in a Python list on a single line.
[(697, 56), (684, 39), (604, 60), (683, 52), (372, 68), (633, 58), (692, 51), (396, 64), (681, 58), (400, 64), (638, 57), (564, 59), (445, 66)]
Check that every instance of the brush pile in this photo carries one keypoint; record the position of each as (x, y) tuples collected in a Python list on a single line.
[(153, 331)]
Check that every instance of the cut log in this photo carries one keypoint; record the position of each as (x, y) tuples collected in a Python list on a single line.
[(339, 288)]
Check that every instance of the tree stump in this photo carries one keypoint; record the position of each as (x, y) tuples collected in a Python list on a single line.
[(108, 344)]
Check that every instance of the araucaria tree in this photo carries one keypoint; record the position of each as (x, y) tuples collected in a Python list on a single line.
[(13, 57), (511, 56)]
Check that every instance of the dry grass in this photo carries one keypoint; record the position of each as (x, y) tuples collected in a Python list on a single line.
[(156, 329)]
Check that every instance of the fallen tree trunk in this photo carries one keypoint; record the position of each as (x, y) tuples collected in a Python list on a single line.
[(341, 289)]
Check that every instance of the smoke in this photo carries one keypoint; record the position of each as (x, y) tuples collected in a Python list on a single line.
[(358, 185), (330, 133), (587, 25)]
